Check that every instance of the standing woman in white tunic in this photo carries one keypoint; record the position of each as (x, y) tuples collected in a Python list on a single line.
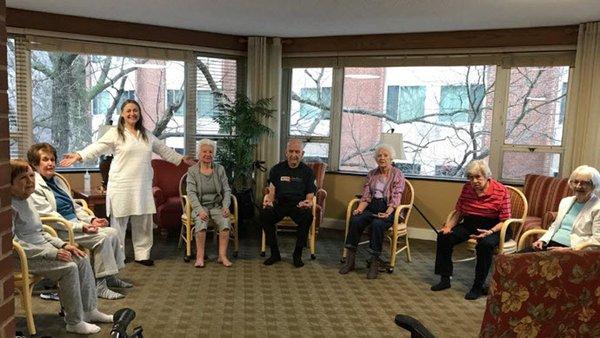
[(129, 191)]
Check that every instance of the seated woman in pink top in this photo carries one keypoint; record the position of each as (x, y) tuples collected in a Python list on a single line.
[(382, 193)]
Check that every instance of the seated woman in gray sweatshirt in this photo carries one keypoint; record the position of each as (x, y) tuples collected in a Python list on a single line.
[(52, 258), (209, 193)]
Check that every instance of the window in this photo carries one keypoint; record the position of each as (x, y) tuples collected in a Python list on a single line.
[(310, 102), (415, 103), (215, 76), (74, 94), (405, 103), (205, 102), (318, 152), (534, 121), (461, 103), (176, 101), (103, 101), (16, 138), (563, 103), (322, 95)]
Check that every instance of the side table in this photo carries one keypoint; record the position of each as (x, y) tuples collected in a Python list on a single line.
[(96, 200)]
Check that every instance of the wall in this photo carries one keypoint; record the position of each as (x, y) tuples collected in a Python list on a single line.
[(7, 299)]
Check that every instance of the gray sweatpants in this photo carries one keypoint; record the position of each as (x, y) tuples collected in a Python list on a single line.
[(108, 257), (76, 284)]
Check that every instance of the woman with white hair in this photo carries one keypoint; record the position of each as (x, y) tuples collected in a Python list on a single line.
[(210, 196), (483, 205), (578, 218), (382, 193)]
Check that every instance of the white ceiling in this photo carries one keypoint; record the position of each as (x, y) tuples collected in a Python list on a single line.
[(300, 18)]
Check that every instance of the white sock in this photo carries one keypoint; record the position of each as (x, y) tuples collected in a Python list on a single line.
[(83, 328), (96, 316)]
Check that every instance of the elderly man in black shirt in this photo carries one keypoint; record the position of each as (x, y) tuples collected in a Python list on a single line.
[(291, 191)]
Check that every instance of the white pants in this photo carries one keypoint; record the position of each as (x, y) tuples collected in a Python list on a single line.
[(141, 233), (108, 256)]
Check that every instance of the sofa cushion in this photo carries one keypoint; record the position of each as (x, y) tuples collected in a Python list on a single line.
[(544, 193)]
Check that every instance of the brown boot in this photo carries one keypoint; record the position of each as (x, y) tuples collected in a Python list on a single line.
[(373, 269), (349, 265)]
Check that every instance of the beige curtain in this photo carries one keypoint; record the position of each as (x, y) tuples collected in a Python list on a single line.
[(264, 81), (584, 100)]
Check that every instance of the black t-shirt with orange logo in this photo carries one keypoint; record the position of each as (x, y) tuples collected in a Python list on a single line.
[(292, 184)]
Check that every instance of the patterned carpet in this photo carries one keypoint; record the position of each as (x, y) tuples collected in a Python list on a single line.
[(173, 299)]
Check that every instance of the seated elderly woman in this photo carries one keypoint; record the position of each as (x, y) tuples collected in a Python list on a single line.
[(210, 196), (578, 219), (52, 258), (382, 193), (483, 205), (53, 198)]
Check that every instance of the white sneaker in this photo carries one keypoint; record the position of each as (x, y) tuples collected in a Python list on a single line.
[(83, 328), (96, 316)]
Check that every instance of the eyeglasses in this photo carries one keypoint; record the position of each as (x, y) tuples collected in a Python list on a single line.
[(582, 183)]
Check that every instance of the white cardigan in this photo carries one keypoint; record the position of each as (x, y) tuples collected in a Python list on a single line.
[(586, 227), (45, 202), (129, 189)]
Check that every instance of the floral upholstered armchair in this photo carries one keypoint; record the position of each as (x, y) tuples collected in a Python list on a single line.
[(544, 294)]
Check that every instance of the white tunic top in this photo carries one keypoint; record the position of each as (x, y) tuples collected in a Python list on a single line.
[(129, 189)]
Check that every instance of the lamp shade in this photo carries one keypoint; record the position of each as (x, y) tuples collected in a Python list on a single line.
[(395, 141)]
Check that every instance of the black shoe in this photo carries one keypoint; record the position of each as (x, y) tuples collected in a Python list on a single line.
[(145, 262), (298, 261), (272, 260), (442, 285), (474, 293)]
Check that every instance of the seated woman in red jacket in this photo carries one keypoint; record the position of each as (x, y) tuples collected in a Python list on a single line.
[(483, 205)]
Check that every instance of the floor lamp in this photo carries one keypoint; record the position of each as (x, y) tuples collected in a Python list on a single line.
[(396, 141)]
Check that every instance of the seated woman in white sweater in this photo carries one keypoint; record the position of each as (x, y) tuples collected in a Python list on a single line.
[(578, 219), (52, 258), (52, 197)]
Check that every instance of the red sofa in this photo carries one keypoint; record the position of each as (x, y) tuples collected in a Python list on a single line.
[(544, 294), (165, 189)]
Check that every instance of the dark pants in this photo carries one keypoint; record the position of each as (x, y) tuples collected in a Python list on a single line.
[(271, 216), (460, 233), (358, 224), (544, 248)]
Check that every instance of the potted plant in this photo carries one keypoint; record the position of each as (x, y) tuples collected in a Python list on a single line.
[(243, 120)]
